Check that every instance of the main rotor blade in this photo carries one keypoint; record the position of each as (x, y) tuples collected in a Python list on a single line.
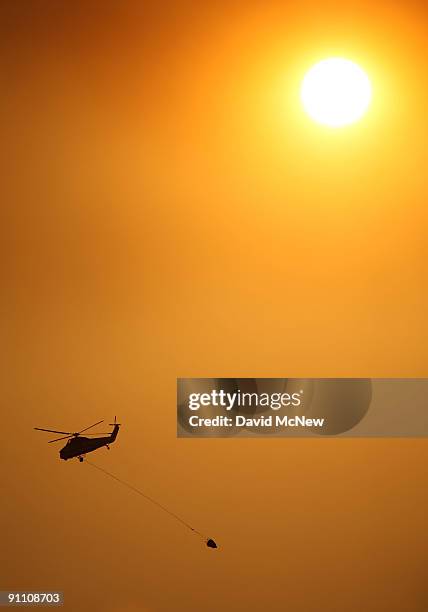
[(100, 433), (90, 426), (57, 439), (53, 430)]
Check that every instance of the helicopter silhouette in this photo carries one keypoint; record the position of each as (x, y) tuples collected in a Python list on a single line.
[(78, 445)]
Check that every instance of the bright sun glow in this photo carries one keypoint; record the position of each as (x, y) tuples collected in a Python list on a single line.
[(336, 92)]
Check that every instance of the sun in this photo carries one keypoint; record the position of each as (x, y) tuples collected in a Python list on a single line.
[(336, 92)]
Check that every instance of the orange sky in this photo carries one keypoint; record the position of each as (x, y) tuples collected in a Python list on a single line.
[(168, 210)]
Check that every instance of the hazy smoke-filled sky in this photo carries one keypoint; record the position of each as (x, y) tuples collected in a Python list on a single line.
[(169, 210)]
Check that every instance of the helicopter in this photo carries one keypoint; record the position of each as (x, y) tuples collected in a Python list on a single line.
[(78, 446)]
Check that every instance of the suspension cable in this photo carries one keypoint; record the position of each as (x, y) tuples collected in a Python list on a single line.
[(153, 501)]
